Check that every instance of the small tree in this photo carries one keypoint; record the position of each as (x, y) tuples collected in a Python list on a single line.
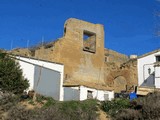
[(11, 78)]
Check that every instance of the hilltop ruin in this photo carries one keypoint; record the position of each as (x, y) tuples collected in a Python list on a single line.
[(86, 61)]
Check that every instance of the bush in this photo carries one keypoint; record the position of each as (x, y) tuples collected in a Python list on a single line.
[(7, 101), (151, 106), (85, 105), (80, 110), (114, 106), (11, 78), (147, 107), (70, 110), (128, 114)]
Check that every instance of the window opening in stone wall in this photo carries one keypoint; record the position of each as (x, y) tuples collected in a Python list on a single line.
[(89, 41), (106, 59), (64, 32), (158, 58)]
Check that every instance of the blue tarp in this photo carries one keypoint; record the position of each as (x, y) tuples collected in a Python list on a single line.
[(132, 95)]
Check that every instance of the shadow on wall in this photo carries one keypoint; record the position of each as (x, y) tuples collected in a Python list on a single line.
[(150, 81)]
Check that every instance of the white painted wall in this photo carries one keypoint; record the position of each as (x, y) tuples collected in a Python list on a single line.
[(27, 65), (97, 94), (157, 76), (28, 72), (143, 64)]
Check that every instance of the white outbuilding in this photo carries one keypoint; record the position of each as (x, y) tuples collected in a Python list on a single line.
[(46, 78), (148, 66), (83, 92)]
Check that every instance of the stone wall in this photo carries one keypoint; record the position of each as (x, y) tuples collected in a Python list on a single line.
[(81, 64), (123, 77), (20, 51), (115, 57), (86, 61)]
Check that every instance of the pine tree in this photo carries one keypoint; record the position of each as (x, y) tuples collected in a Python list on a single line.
[(11, 78)]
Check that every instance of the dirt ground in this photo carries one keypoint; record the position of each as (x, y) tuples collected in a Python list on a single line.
[(103, 115)]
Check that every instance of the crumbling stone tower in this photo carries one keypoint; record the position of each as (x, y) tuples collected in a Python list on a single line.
[(81, 50), (86, 61)]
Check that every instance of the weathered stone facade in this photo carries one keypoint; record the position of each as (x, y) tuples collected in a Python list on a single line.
[(85, 59), (81, 63), (112, 56), (123, 77)]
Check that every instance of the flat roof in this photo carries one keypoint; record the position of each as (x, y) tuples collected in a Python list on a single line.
[(88, 84)]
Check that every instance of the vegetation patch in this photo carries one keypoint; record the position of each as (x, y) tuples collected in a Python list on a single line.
[(11, 79), (52, 110), (147, 107), (114, 106)]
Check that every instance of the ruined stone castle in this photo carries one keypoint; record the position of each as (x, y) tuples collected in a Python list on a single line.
[(86, 61)]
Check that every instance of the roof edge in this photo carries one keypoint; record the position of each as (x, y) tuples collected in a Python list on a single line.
[(149, 53), (36, 59)]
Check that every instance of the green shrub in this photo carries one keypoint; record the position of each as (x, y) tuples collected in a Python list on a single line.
[(11, 78), (113, 107), (78, 110), (74, 105), (147, 107)]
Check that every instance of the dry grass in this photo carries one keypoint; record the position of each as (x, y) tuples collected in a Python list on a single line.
[(48, 109)]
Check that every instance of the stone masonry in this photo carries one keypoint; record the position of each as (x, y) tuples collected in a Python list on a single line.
[(86, 61), (82, 64)]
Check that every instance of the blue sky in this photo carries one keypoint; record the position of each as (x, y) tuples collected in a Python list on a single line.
[(130, 25)]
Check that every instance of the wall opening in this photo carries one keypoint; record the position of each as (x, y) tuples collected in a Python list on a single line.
[(89, 94), (106, 59), (89, 41), (158, 58), (64, 32)]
